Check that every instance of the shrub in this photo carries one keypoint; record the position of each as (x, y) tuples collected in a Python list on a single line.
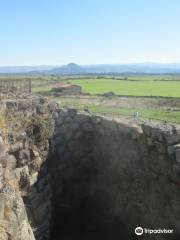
[(39, 128)]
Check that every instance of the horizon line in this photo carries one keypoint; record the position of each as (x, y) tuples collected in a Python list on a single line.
[(90, 64)]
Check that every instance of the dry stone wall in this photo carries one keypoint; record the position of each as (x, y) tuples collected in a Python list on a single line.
[(25, 190), (14, 223), (115, 172), (91, 174)]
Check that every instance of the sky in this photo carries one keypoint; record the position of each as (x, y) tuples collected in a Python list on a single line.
[(56, 32)]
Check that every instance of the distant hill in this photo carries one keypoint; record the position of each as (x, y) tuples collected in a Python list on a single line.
[(73, 68), (70, 68), (24, 69), (147, 68)]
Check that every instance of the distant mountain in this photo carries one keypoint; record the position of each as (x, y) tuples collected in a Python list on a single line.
[(73, 68), (147, 68), (24, 69), (70, 68)]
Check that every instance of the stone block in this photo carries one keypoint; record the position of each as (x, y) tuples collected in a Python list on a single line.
[(34, 153), (2, 205), (11, 162), (150, 141), (160, 147), (33, 178), (172, 149), (23, 158), (1, 140), (2, 150), (172, 138), (16, 147), (178, 155), (72, 112), (87, 127), (146, 129)]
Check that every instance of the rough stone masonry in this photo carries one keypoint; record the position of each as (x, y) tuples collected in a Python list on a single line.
[(89, 173)]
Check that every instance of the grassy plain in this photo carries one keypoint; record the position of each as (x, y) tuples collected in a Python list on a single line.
[(165, 109), (105, 107), (130, 87)]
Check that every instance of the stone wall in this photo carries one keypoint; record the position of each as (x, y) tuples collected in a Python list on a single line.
[(91, 174), (25, 192), (14, 223), (113, 172)]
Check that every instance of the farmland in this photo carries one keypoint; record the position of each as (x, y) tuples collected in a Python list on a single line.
[(153, 97), (130, 87)]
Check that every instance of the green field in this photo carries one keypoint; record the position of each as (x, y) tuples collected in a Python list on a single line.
[(156, 114), (151, 86), (130, 88)]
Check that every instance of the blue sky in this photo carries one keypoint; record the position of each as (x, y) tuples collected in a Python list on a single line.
[(56, 32)]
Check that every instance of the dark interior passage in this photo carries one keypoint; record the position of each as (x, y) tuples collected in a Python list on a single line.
[(108, 178), (86, 221)]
